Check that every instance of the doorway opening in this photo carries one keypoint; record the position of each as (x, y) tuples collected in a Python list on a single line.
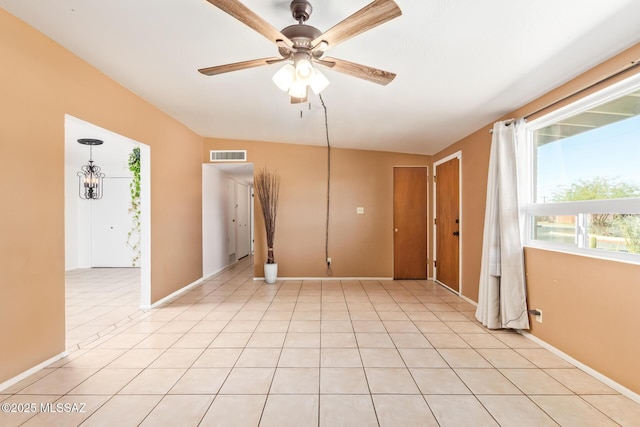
[(227, 215), (101, 273)]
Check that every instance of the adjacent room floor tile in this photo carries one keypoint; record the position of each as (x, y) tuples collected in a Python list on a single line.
[(259, 358), (543, 358), (236, 411), (123, 411), (290, 411), (403, 340), (218, 358), (391, 381), (201, 381), (439, 381), (572, 410), (295, 381), (619, 408), (422, 358), (343, 381), (504, 358), (534, 381), (579, 381), (174, 410), (248, 381), (177, 358), (153, 381), (347, 411), (403, 410), (381, 358), (486, 381), (340, 358), (80, 408), (457, 411), (516, 411), (463, 358), (106, 381), (59, 382)]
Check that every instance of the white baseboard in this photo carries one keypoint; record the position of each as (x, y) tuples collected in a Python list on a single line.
[(327, 278), (606, 380), (469, 300), (11, 381), (186, 288), (220, 270), (172, 295)]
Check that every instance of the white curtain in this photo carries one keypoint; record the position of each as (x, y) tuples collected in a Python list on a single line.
[(502, 293)]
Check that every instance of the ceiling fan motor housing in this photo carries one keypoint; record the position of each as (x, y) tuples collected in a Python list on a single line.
[(301, 35), (301, 10)]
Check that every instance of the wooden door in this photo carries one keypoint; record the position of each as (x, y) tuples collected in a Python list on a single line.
[(448, 223), (410, 223)]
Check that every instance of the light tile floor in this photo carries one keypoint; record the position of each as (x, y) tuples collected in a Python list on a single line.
[(235, 352), (98, 300)]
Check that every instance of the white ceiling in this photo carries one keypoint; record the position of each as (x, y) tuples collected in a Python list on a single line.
[(460, 63), (112, 156)]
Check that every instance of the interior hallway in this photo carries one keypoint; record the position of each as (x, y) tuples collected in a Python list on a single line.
[(236, 352)]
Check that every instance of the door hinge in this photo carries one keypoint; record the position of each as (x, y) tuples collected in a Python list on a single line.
[(435, 264), (434, 178), (434, 221)]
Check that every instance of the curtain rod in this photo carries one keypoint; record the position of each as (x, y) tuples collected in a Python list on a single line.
[(618, 73), (509, 122), (630, 66)]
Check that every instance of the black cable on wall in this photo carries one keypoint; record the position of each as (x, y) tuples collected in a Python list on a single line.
[(326, 244)]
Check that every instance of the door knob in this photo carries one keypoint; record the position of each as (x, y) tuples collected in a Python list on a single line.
[(456, 233), (396, 230)]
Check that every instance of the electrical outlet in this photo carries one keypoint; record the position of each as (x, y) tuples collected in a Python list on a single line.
[(360, 210), (328, 261), (539, 316)]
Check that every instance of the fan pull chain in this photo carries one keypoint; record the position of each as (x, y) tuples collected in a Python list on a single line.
[(301, 109)]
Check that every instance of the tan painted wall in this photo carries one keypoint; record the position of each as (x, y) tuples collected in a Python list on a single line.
[(40, 82), (604, 286), (359, 245), (589, 310)]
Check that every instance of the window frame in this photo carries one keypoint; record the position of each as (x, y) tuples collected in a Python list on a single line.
[(530, 208)]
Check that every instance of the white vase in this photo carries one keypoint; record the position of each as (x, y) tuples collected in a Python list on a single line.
[(270, 273)]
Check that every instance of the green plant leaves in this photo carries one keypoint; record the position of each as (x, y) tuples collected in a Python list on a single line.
[(133, 237)]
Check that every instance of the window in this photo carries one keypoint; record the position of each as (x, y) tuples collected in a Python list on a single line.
[(585, 175)]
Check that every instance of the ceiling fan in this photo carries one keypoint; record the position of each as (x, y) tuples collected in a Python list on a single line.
[(302, 45)]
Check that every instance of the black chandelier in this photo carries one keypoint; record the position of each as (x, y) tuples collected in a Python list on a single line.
[(89, 176)]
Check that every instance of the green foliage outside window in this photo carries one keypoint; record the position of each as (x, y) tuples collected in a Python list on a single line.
[(601, 188)]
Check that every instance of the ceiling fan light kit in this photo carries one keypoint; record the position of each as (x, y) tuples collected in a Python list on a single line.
[(285, 77), (303, 45), (296, 80)]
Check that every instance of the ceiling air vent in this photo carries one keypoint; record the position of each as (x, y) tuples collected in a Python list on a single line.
[(228, 155)]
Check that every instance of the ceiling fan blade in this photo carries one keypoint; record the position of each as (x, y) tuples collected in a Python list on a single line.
[(245, 15), (370, 16), (220, 69), (357, 70)]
